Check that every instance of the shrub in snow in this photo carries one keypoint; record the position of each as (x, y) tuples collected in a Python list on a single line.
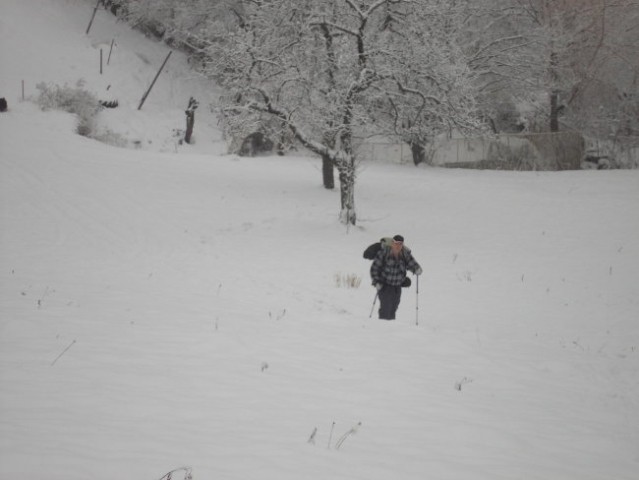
[(462, 382), (352, 431), (74, 100), (110, 137), (349, 280), (255, 144), (187, 474)]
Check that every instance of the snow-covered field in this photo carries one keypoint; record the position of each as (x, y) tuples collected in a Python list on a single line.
[(173, 306)]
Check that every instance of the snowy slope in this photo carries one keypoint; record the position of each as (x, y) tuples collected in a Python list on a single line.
[(164, 309), (45, 41)]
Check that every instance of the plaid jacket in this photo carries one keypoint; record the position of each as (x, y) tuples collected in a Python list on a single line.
[(389, 270)]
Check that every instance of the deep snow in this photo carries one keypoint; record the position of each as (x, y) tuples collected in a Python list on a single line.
[(172, 305)]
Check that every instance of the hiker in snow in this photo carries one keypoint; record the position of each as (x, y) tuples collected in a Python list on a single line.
[(388, 273)]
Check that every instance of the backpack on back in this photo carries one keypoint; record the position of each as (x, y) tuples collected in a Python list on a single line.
[(371, 251)]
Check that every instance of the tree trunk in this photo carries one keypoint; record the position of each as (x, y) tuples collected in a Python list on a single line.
[(190, 120), (346, 169), (554, 93), (554, 112), (328, 172), (418, 151)]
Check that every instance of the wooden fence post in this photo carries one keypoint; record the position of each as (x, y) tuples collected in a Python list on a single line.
[(110, 50), (154, 80), (93, 16)]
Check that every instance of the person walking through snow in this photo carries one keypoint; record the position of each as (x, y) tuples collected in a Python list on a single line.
[(388, 273)]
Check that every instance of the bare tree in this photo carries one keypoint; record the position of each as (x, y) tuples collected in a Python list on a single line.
[(431, 86), (326, 69), (605, 102), (574, 40)]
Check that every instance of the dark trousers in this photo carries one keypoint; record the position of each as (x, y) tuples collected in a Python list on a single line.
[(389, 297)]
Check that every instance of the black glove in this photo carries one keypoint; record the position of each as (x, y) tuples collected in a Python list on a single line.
[(406, 282)]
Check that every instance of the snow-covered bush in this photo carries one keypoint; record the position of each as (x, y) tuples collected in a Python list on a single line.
[(110, 137), (75, 100)]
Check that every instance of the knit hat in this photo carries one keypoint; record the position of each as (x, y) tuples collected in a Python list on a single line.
[(398, 238)]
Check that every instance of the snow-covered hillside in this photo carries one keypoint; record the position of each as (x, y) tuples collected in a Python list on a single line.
[(174, 306), (45, 41)]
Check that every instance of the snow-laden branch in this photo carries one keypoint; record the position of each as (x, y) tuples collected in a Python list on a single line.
[(268, 106), (425, 98), (364, 15), (497, 42), (321, 22)]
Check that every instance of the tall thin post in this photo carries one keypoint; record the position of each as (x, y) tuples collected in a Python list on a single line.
[(154, 80), (93, 16), (417, 300), (100, 61), (110, 50)]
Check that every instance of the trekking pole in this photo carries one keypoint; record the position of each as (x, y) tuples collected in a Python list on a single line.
[(373, 307), (417, 300)]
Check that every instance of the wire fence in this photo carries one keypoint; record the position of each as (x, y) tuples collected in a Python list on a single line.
[(524, 151)]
